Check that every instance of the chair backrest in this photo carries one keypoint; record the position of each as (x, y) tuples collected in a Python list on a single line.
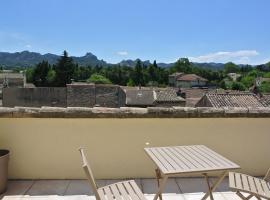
[(267, 176), (89, 174)]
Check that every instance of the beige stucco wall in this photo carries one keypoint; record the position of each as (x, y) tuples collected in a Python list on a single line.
[(47, 148)]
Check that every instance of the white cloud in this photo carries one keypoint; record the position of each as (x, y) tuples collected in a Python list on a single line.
[(28, 46), (242, 56), (122, 53)]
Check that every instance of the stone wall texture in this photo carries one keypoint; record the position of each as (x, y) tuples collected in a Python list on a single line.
[(129, 112), (35, 97), (81, 95), (74, 95), (107, 96)]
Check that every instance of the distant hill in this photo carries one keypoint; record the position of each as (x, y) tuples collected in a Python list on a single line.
[(29, 59), (211, 65), (132, 63)]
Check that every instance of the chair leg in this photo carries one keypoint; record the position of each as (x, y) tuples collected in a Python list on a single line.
[(241, 196), (250, 196)]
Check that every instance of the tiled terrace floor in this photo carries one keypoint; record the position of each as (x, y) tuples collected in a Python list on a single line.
[(176, 189)]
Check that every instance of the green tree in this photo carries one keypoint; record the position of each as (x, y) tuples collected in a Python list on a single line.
[(249, 79), (238, 86), (138, 73), (182, 65), (266, 75), (130, 83), (223, 85), (51, 75), (152, 71), (29, 75), (230, 67), (265, 87), (64, 70), (98, 79), (40, 74)]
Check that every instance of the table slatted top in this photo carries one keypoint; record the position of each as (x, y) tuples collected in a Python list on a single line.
[(188, 159)]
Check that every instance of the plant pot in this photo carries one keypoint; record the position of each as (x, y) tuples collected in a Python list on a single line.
[(4, 158)]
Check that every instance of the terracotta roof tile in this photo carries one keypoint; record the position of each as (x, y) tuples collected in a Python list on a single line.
[(266, 99), (233, 100), (167, 95)]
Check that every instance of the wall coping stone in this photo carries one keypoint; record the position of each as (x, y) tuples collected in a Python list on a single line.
[(132, 112)]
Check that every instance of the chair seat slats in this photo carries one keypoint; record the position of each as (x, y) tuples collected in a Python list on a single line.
[(249, 184), (131, 192), (123, 191), (101, 194), (137, 190), (127, 190), (115, 192)]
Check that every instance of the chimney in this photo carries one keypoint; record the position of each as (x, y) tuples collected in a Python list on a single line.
[(180, 93)]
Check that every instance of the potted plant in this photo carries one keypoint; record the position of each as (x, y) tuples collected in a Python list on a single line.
[(4, 158)]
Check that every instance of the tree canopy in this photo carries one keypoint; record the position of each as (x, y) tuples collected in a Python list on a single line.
[(65, 71), (98, 79)]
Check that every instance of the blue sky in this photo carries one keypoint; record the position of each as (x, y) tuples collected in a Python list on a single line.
[(202, 30)]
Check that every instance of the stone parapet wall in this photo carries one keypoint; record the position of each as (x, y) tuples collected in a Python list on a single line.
[(129, 112), (81, 95), (107, 95), (74, 95), (35, 97)]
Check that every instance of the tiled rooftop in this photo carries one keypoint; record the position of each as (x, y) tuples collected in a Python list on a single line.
[(167, 95), (176, 188), (266, 99), (230, 100)]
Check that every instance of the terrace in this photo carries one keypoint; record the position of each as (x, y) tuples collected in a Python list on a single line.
[(177, 188), (45, 163)]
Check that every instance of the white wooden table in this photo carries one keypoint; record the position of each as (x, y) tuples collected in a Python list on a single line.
[(179, 160)]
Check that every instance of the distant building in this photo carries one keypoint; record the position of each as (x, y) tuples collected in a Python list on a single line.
[(12, 79), (181, 80), (234, 76), (149, 97), (173, 78), (239, 99), (260, 80)]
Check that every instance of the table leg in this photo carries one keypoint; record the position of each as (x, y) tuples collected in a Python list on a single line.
[(161, 186), (209, 187), (158, 176), (214, 186)]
